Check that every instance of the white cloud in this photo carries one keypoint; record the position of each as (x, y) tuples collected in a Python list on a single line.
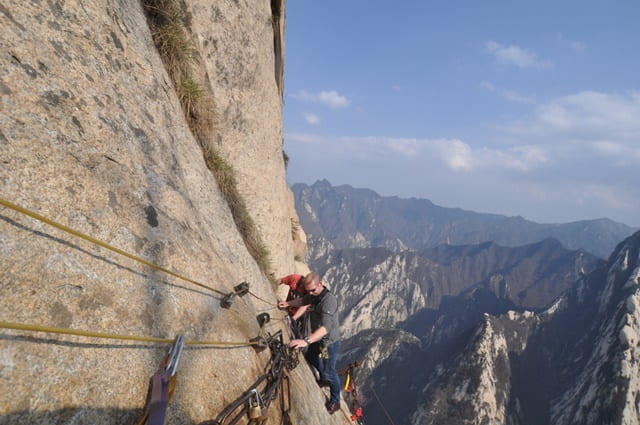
[(306, 138), (406, 147), (453, 154), (573, 45), (519, 158), (608, 147), (579, 179), (510, 95), (456, 154), (514, 96), (589, 117), (621, 154), (577, 46), (516, 56), (333, 99), (580, 139), (330, 98), (585, 147), (311, 118), (572, 135), (364, 147), (487, 86), (602, 194)]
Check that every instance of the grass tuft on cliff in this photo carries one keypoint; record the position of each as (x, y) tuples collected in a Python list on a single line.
[(226, 178), (167, 23), (169, 29)]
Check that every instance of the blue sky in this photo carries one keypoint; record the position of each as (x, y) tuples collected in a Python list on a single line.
[(527, 108)]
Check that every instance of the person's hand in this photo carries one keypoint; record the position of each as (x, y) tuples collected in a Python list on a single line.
[(283, 304), (298, 343)]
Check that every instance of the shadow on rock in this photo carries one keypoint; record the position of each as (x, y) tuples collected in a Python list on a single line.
[(90, 416)]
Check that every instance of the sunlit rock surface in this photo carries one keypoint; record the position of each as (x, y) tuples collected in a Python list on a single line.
[(93, 136)]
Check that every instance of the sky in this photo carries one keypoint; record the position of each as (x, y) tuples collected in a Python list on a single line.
[(519, 108)]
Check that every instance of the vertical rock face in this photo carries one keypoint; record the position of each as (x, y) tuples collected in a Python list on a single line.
[(243, 71), (92, 136), (606, 388), (476, 387)]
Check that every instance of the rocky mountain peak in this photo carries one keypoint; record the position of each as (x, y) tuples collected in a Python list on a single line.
[(576, 362), (349, 217)]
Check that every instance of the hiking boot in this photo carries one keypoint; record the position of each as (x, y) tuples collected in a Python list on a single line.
[(323, 383), (332, 407)]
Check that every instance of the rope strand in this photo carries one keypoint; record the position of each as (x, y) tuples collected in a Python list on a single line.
[(103, 244), (67, 331), (381, 405), (261, 299)]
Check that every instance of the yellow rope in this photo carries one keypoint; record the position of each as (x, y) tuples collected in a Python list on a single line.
[(66, 331), (261, 299), (102, 244)]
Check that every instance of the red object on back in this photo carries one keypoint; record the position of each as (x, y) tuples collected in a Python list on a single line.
[(296, 289)]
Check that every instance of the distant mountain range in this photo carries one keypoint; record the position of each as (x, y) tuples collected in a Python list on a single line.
[(467, 318), (360, 218), (379, 288)]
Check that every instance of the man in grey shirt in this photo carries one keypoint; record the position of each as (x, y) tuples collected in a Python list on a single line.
[(324, 342)]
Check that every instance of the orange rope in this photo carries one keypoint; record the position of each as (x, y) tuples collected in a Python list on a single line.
[(381, 405)]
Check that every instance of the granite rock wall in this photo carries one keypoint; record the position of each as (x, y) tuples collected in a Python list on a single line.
[(93, 136)]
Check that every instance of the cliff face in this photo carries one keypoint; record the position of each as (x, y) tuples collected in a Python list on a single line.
[(237, 45), (93, 136)]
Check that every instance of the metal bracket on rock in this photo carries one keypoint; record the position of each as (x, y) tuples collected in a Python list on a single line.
[(259, 343), (238, 291), (263, 319)]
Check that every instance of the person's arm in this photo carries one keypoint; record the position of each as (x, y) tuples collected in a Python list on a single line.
[(328, 310), (291, 303), (300, 312), (316, 336)]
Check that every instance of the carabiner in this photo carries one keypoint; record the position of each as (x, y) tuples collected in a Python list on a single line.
[(174, 355)]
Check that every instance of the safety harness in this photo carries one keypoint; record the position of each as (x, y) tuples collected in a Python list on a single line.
[(352, 392)]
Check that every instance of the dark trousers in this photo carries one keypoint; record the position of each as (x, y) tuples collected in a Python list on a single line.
[(326, 367)]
